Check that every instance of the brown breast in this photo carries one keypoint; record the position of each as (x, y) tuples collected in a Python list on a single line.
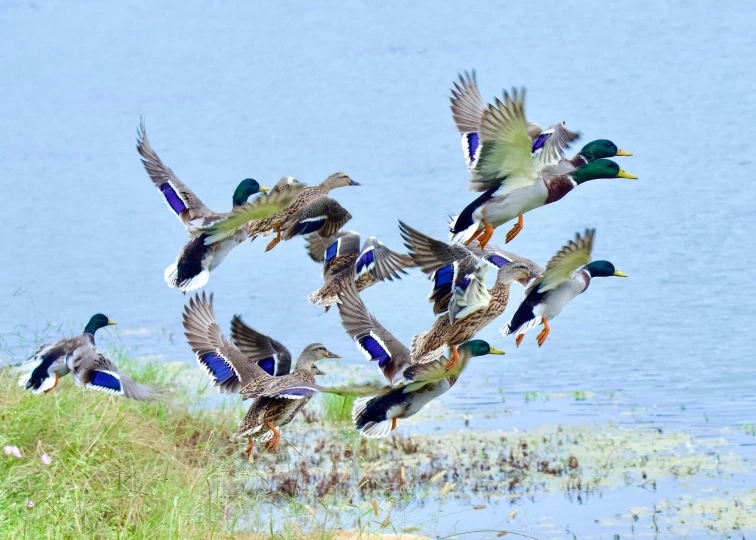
[(558, 187)]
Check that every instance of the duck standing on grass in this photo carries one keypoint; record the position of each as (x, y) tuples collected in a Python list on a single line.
[(90, 369), (567, 275), (203, 253), (344, 262), (468, 107), (277, 399), (513, 182)]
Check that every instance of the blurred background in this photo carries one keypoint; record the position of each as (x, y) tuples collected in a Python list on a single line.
[(239, 89)]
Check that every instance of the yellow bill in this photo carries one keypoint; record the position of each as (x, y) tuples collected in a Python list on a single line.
[(624, 174), (623, 153), (495, 351), (619, 274)]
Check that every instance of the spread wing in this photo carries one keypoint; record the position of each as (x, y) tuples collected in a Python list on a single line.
[(375, 342), (562, 266), (227, 366), (271, 355), (98, 372), (317, 245), (559, 139), (180, 199), (497, 257), (467, 107), (262, 207), (470, 295), (505, 156), (381, 262), (323, 215)]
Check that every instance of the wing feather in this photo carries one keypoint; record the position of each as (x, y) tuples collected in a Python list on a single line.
[(572, 256)]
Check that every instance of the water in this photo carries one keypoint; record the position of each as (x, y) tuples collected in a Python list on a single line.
[(236, 90)]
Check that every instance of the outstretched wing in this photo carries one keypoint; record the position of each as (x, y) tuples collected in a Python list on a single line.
[(559, 139), (562, 266), (467, 107), (227, 366), (98, 372), (179, 198), (381, 262), (323, 215), (317, 245), (505, 156), (470, 295), (271, 355), (263, 206), (375, 342)]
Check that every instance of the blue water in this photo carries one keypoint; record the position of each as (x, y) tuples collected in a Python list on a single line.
[(234, 89)]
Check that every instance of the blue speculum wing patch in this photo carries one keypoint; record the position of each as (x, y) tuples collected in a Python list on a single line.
[(268, 365), (365, 261), (106, 381), (540, 141), (374, 349), (218, 367), (332, 250), (307, 227), (497, 260), (472, 146), (172, 198), (296, 392), (443, 276), (463, 284)]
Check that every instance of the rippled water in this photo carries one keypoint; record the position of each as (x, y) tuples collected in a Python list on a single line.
[(234, 90)]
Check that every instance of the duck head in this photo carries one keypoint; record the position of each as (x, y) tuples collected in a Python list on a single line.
[(515, 271), (337, 180), (311, 354), (477, 347), (96, 322), (601, 168), (246, 189), (603, 269), (601, 148)]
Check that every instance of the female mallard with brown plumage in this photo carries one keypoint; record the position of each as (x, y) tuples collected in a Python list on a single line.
[(567, 275), (344, 262), (78, 355), (206, 249), (277, 399), (513, 182), (468, 107)]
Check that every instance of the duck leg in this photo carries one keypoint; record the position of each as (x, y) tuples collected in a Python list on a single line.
[(474, 236), (486, 236), (273, 443), (275, 241), (544, 333), (250, 449), (54, 385), (519, 340), (454, 359), (515, 230), (393, 424)]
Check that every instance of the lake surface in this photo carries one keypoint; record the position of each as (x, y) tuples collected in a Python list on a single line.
[(232, 90)]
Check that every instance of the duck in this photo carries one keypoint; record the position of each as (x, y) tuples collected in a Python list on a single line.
[(468, 108), (205, 250), (513, 182), (469, 310), (277, 399), (567, 275), (79, 356), (344, 261), (375, 416), (311, 211), (410, 386)]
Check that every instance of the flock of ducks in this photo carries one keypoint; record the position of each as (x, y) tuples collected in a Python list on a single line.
[(515, 165)]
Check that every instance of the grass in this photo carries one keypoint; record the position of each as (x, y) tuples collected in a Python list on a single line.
[(119, 468), (337, 409)]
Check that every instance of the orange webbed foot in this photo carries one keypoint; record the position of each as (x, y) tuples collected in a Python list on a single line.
[(454, 359), (393, 424), (515, 230), (519, 340), (541, 339)]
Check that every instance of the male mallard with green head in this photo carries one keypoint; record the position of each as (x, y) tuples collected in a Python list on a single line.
[(344, 262), (242, 369), (513, 182), (90, 369), (567, 275), (205, 251)]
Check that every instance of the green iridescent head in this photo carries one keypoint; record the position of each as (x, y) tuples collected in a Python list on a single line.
[(601, 148), (96, 322), (603, 269), (478, 347), (246, 189), (601, 168)]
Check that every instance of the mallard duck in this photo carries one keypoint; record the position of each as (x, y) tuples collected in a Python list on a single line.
[(284, 183), (512, 181), (90, 369), (415, 382), (277, 399), (376, 416), (345, 262), (205, 251), (460, 288), (312, 211), (468, 108), (567, 275)]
